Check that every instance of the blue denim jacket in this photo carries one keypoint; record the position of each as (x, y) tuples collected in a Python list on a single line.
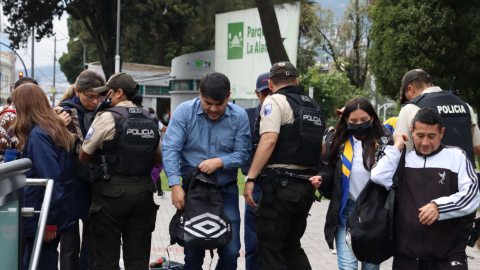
[(192, 137)]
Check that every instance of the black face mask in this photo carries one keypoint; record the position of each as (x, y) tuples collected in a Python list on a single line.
[(360, 129)]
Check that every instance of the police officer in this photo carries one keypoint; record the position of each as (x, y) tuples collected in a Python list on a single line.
[(124, 144), (291, 127), (461, 130), (250, 235)]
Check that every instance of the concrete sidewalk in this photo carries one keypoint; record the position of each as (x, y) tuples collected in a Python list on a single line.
[(320, 256)]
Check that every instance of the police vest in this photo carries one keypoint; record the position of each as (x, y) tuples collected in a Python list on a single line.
[(456, 119), (300, 142), (132, 150)]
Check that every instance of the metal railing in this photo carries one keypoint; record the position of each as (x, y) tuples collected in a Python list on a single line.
[(12, 183), (42, 221)]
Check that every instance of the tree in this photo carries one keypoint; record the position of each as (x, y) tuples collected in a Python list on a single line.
[(344, 41), (331, 91), (440, 36), (273, 39), (98, 17), (153, 31), (307, 41)]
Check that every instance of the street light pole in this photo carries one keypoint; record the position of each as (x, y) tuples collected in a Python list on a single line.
[(54, 62), (117, 56), (77, 39), (33, 53), (26, 72)]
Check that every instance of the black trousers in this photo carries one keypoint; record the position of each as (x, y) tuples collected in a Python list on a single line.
[(122, 209), (455, 262), (73, 254), (282, 223)]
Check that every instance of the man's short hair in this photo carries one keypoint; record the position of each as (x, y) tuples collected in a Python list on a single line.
[(215, 85), (9, 100), (24, 80), (283, 80), (428, 116), (421, 83)]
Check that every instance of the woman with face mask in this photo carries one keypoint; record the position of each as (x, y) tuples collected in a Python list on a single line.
[(352, 155)]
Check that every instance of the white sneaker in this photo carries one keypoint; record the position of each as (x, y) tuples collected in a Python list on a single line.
[(334, 251)]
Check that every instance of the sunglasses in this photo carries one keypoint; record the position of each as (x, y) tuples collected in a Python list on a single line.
[(92, 98)]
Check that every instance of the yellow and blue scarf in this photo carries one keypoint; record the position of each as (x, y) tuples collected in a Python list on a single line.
[(347, 162), (391, 123)]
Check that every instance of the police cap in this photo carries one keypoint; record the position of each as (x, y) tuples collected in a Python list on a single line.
[(289, 68), (408, 78), (117, 81)]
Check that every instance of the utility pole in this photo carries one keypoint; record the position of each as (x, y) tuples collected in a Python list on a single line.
[(117, 57), (33, 52), (54, 62)]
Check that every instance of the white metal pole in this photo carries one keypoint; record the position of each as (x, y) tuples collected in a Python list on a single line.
[(33, 53), (117, 56), (42, 222)]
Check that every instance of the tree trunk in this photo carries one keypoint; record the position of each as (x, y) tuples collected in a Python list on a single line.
[(102, 30), (268, 17), (356, 46)]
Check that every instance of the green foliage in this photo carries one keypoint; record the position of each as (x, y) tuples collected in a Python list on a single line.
[(154, 31), (439, 36), (345, 41), (330, 90)]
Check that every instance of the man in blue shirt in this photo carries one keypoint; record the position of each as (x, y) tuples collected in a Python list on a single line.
[(213, 134), (250, 234)]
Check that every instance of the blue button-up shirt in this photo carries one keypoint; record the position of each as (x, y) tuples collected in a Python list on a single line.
[(192, 138)]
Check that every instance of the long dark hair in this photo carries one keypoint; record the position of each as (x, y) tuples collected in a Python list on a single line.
[(342, 134)]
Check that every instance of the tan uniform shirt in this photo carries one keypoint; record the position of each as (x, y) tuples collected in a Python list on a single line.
[(409, 111), (276, 112), (103, 129)]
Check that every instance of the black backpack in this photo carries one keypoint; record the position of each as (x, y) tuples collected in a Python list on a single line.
[(82, 169), (203, 224), (370, 224)]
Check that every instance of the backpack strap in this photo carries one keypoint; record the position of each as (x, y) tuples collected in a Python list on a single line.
[(74, 105), (390, 203)]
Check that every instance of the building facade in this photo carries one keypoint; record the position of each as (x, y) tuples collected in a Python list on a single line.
[(7, 70)]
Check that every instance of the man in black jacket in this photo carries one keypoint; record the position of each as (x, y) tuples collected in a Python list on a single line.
[(439, 186)]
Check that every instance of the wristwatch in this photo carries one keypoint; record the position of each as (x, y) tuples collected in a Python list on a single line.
[(250, 179)]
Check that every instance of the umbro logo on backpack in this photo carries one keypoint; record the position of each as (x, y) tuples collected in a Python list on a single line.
[(207, 226)]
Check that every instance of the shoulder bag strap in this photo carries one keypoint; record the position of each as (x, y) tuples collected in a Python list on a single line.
[(390, 204)]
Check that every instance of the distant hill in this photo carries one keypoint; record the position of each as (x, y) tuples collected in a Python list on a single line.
[(44, 76)]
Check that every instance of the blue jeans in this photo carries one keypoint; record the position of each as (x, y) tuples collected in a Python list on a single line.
[(250, 235), (228, 254), (346, 260)]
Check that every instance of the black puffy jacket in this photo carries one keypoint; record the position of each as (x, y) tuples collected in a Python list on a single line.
[(331, 189)]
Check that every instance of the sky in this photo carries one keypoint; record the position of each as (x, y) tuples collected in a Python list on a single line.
[(44, 48), (44, 51)]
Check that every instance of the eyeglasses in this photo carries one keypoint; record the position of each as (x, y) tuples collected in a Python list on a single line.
[(92, 98)]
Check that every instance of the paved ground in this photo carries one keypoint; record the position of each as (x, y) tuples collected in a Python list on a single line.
[(313, 241)]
